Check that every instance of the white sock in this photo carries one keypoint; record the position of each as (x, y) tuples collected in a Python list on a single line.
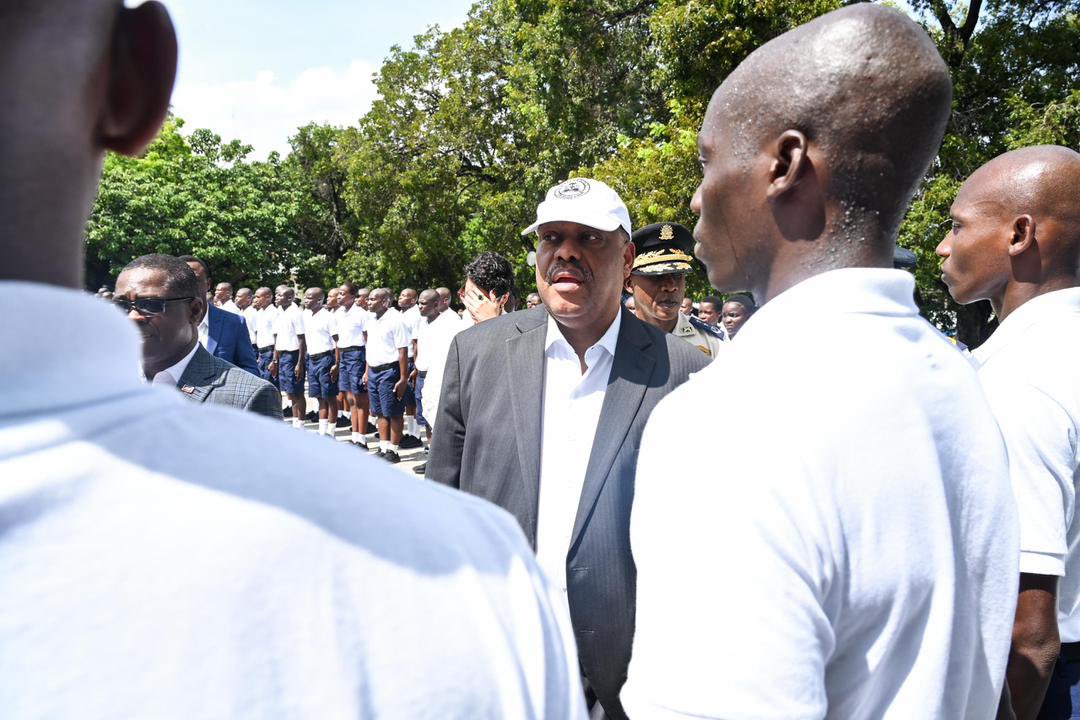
[(384, 445), (356, 437), (323, 425), (341, 413), (391, 447), (297, 422), (414, 428)]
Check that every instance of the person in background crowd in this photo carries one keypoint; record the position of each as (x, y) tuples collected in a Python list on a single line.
[(736, 311), (630, 305), (489, 285), (410, 318), (444, 298), (686, 307), (571, 382), (341, 403), (1015, 241), (533, 300), (352, 323), (160, 558), (830, 616), (428, 305), (657, 283), (323, 357), (387, 371), (224, 334), (244, 302), (290, 352), (710, 313), (265, 329), (160, 294), (223, 298)]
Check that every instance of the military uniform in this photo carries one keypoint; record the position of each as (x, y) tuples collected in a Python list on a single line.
[(666, 249)]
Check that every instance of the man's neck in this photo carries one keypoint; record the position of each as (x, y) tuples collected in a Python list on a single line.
[(581, 339), (667, 327), (829, 253), (150, 370), (1016, 294)]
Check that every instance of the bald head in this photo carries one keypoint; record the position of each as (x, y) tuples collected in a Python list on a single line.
[(1043, 181)]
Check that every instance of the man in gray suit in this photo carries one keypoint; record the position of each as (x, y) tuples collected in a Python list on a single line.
[(573, 381), (160, 294)]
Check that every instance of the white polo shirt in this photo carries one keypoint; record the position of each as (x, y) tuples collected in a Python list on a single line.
[(572, 403), (250, 315), (351, 325), (319, 331), (1030, 369), (412, 318), (432, 348), (266, 325), (853, 554), (385, 336), (290, 326), (151, 569)]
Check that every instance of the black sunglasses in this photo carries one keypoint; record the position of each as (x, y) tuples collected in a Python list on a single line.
[(147, 307)]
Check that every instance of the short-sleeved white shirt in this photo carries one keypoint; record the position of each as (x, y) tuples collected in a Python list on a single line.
[(319, 331), (170, 560), (250, 314), (385, 336), (290, 326), (432, 349), (412, 319), (853, 554), (1030, 370), (351, 325), (266, 325)]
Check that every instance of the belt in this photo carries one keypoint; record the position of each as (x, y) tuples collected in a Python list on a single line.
[(320, 356), (1070, 652), (421, 373), (382, 368), (268, 348), (351, 348)]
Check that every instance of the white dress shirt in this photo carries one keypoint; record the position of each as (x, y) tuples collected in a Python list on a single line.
[(266, 325), (204, 329), (161, 560), (171, 375), (251, 316), (853, 554), (385, 337), (571, 411), (1030, 369), (412, 318), (230, 306), (432, 349), (290, 326), (319, 331), (351, 325)]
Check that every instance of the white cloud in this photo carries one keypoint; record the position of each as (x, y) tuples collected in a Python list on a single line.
[(264, 111)]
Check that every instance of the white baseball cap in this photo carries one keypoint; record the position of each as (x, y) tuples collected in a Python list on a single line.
[(584, 201)]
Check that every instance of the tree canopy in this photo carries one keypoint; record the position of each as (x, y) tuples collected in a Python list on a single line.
[(473, 124)]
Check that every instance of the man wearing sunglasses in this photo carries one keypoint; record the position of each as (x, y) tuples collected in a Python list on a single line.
[(160, 294)]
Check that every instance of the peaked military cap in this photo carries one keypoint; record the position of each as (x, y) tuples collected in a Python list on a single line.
[(663, 249)]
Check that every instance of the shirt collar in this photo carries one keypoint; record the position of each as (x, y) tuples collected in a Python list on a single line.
[(1036, 309), (607, 341), (171, 375), (204, 324), (86, 353), (871, 291)]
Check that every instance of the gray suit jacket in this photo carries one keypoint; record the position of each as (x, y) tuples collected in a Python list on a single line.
[(210, 379), (487, 443)]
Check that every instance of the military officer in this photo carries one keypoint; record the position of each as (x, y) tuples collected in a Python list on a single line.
[(657, 284)]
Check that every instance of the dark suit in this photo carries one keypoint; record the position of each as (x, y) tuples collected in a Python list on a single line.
[(491, 448), (228, 339), (212, 380)]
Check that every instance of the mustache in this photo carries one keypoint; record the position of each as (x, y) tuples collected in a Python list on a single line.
[(572, 266)]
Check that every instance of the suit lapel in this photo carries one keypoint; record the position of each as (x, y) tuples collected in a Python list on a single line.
[(199, 377), (525, 358), (630, 373), (213, 328)]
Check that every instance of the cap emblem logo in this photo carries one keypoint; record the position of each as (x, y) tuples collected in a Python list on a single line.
[(572, 189), (667, 233)]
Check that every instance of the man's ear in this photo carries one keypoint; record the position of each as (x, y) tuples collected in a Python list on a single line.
[(1023, 235), (142, 73), (789, 163), (196, 310)]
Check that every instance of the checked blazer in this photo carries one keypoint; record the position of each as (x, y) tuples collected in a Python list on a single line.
[(487, 442), (212, 380)]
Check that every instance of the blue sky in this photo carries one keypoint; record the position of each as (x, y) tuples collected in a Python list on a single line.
[(258, 70)]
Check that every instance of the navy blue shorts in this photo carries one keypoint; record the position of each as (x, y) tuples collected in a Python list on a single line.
[(318, 377), (420, 401), (351, 372), (286, 373), (384, 402), (262, 361)]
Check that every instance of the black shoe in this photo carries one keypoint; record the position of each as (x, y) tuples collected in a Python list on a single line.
[(420, 469), (380, 452), (286, 414), (370, 429), (408, 442), (391, 457), (312, 416), (343, 422), (362, 446)]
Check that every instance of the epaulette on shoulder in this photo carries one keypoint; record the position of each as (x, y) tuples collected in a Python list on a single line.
[(706, 328)]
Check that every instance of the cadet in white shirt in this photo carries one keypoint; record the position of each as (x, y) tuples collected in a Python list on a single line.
[(290, 352), (352, 321), (387, 371), (264, 322), (411, 319), (161, 559), (1015, 241), (246, 306), (323, 358), (223, 298), (854, 555)]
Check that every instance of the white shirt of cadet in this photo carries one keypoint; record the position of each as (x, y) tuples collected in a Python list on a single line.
[(432, 349), (171, 375), (158, 572), (290, 326), (572, 403), (1030, 369), (412, 319), (319, 331), (250, 314), (230, 306), (351, 325), (855, 554), (266, 325), (385, 336)]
